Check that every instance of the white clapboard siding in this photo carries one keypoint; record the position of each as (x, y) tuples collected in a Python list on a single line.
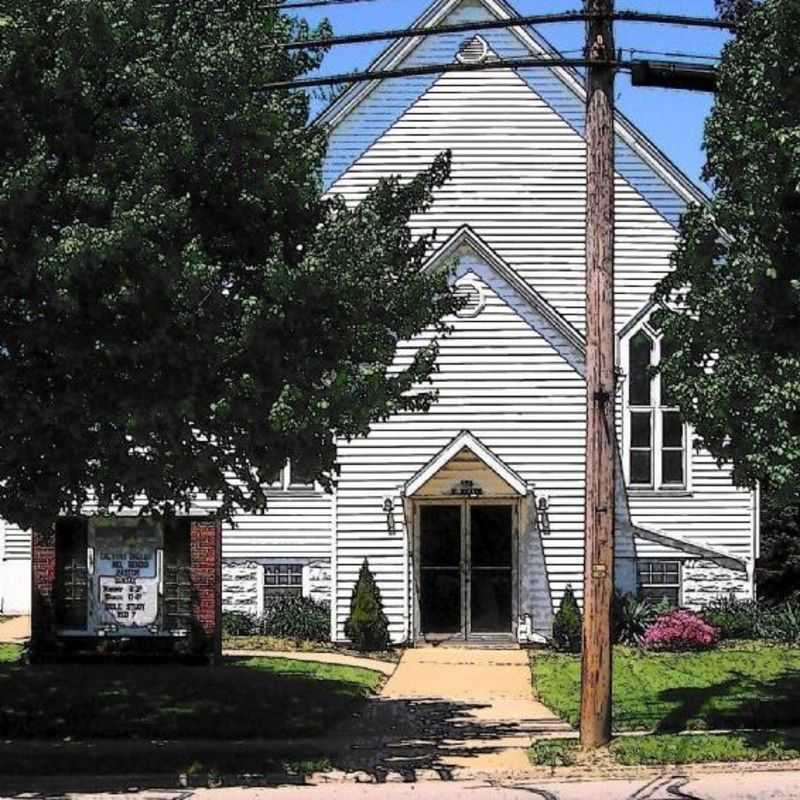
[(297, 522), (518, 181), (17, 542)]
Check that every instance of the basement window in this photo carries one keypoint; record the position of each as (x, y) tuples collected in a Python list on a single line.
[(660, 580), (281, 580)]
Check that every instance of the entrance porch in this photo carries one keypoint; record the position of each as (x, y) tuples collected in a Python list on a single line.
[(475, 550)]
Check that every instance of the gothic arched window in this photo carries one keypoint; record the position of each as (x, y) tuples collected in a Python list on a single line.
[(656, 439)]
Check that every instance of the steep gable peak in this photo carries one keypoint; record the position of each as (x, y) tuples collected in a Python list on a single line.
[(366, 110), (465, 242)]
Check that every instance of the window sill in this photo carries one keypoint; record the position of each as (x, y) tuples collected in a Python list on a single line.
[(644, 492)]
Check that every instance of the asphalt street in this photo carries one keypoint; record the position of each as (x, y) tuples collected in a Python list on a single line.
[(725, 786)]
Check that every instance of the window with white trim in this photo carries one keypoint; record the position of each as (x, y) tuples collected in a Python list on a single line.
[(275, 480), (657, 456), (290, 476), (660, 580), (299, 477), (282, 579)]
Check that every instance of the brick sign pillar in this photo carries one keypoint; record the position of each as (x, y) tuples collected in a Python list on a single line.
[(43, 584), (205, 545)]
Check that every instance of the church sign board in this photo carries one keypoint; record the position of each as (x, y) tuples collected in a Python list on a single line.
[(126, 567)]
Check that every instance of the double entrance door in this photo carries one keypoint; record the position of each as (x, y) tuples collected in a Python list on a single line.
[(467, 570)]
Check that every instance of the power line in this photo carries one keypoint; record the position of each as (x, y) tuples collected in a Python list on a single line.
[(458, 27), (675, 19), (493, 24), (314, 4), (433, 69)]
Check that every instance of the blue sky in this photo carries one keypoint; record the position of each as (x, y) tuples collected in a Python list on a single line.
[(672, 119)]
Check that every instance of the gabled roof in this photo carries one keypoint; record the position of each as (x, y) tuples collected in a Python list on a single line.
[(666, 187), (465, 440), (465, 236)]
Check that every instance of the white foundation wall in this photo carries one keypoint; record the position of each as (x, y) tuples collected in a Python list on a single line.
[(243, 582), (703, 580)]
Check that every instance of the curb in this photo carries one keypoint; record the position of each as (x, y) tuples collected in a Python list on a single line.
[(15, 784)]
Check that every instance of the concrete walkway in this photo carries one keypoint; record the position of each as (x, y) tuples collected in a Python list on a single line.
[(450, 708), (384, 667), (15, 630)]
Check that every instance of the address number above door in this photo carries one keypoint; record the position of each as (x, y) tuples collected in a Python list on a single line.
[(467, 488)]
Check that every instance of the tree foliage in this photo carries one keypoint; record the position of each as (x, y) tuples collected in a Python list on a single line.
[(778, 568), (735, 371), (734, 10), (180, 308)]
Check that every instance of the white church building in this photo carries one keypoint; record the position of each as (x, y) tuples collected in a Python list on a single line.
[(471, 515)]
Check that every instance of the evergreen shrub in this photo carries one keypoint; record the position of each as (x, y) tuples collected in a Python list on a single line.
[(367, 626), (568, 624)]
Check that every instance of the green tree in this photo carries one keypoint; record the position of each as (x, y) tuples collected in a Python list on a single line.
[(778, 568), (735, 322), (180, 307), (734, 10)]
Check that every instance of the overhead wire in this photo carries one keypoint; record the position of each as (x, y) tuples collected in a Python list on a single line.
[(314, 4), (494, 24), (471, 27), (433, 69)]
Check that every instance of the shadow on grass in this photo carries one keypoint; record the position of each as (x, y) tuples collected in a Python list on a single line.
[(740, 701), (377, 736), (239, 699)]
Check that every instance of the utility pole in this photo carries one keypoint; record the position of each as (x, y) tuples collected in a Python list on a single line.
[(598, 582)]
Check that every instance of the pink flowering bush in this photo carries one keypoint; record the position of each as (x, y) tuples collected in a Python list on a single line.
[(680, 630)]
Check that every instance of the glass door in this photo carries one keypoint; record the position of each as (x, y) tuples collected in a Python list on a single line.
[(441, 570), (490, 568)]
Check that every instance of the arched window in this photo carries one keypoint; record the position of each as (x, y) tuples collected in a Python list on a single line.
[(656, 439)]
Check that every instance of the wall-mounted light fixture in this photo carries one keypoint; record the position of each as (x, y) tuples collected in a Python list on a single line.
[(543, 513), (388, 508)]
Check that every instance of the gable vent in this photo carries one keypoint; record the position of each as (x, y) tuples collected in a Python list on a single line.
[(474, 300), (473, 51)]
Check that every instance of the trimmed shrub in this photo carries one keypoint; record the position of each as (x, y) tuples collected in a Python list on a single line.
[(680, 630), (568, 624), (295, 617), (367, 626), (735, 619), (237, 623)]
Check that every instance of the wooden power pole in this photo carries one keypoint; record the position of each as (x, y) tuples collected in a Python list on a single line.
[(595, 727)]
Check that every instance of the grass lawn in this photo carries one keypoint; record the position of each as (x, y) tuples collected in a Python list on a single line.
[(750, 687), (248, 698), (672, 748)]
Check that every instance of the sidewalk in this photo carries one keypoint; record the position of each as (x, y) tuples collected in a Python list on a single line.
[(15, 630), (384, 667), (448, 708)]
